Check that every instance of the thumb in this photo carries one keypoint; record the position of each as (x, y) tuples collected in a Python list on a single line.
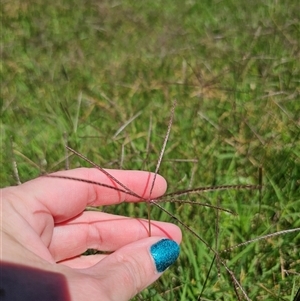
[(133, 267)]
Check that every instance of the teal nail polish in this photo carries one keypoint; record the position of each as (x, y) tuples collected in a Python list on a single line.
[(164, 253)]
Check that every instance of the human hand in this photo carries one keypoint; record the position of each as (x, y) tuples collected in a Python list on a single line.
[(44, 228)]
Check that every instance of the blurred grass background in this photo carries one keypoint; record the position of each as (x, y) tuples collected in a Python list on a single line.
[(83, 69)]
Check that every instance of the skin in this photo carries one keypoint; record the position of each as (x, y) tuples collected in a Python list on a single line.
[(44, 226)]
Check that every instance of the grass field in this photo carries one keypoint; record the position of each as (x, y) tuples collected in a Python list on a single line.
[(84, 69)]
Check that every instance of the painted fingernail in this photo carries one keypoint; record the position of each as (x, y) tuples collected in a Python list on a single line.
[(164, 253)]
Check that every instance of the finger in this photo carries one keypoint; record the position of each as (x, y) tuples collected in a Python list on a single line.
[(123, 274), (65, 199), (105, 232)]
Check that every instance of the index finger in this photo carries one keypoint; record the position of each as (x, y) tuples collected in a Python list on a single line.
[(66, 198)]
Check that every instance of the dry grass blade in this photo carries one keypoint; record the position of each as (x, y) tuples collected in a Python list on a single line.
[(104, 172), (14, 163), (164, 146), (159, 162), (210, 188), (127, 191), (126, 124), (162, 200), (262, 237)]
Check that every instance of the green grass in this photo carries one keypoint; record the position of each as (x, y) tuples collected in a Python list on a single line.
[(85, 68)]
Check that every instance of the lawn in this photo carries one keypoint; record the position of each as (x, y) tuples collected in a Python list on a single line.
[(102, 76)]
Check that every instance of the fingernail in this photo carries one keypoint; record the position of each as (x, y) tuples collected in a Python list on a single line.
[(164, 253)]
